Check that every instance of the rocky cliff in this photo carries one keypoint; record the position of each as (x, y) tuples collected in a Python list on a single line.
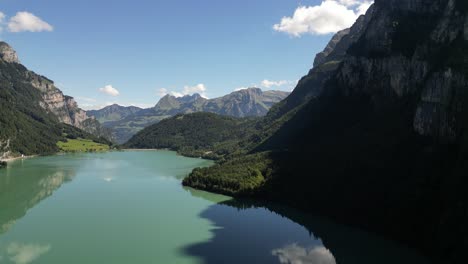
[(242, 103), (8, 54), (63, 107), (386, 126), (376, 134), (421, 53)]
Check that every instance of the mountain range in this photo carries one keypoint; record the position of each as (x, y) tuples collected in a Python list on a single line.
[(375, 135), (127, 121)]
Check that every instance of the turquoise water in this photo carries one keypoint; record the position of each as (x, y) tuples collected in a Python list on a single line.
[(130, 207)]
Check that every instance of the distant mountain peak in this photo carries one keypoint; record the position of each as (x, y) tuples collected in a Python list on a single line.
[(7, 53)]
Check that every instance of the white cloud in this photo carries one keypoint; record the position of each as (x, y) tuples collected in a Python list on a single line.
[(177, 94), (187, 90), (349, 3), (240, 89), (26, 253), (328, 17), (199, 88), (362, 8), (269, 84), (162, 92), (25, 21), (109, 90)]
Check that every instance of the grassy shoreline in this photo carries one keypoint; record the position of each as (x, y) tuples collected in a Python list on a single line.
[(82, 145)]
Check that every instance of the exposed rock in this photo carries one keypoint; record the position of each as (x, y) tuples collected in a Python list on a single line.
[(4, 149), (403, 50), (54, 101), (8, 54), (388, 127), (341, 41), (321, 57)]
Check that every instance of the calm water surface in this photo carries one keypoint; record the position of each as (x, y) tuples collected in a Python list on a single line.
[(129, 207)]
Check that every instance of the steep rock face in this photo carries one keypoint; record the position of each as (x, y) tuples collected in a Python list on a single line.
[(244, 103), (338, 46), (325, 65), (63, 107), (386, 127), (8, 54), (322, 56), (415, 56), (376, 134)]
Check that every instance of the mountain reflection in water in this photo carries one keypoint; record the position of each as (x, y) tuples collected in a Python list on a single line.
[(24, 187)]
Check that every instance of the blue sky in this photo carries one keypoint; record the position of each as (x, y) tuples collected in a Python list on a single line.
[(131, 52)]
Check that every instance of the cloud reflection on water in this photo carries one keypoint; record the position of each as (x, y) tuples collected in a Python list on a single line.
[(20, 253), (295, 254)]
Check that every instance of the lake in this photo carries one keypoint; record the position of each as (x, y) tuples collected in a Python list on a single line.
[(130, 207)]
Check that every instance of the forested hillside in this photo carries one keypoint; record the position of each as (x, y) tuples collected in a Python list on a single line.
[(27, 126), (375, 134), (197, 135)]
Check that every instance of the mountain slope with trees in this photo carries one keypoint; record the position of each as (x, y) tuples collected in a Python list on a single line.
[(126, 122), (33, 113), (376, 134), (196, 135)]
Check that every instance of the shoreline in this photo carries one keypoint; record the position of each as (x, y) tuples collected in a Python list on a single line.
[(17, 158), (165, 149)]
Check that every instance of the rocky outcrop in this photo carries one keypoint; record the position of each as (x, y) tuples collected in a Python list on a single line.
[(322, 56), (415, 56), (338, 46), (384, 132), (63, 107), (8, 54), (376, 135), (242, 103), (5, 151)]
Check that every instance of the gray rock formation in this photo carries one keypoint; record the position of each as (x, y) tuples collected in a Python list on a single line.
[(242, 103), (54, 101), (8, 54), (407, 53)]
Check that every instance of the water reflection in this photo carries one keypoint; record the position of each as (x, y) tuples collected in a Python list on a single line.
[(24, 185), (19, 253), (254, 232), (212, 197), (295, 254)]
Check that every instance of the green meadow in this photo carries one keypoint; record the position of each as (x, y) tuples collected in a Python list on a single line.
[(81, 145)]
